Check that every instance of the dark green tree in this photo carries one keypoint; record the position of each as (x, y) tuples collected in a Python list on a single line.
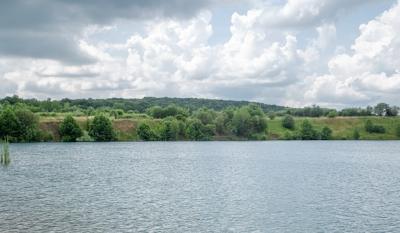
[(242, 123), (101, 129), (70, 130), (288, 122), (381, 109), (145, 133), (196, 130), (326, 133), (169, 130), (307, 131), (9, 124)]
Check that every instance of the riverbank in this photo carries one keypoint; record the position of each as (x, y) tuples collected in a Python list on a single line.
[(343, 128)]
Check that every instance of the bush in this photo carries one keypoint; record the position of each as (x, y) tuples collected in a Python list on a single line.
[(19, 125), (371, 128), (288, 122), (195, 130), (169, 130), (248, 120), (70, 130), (101, 129), (271, 115), (326, 133), (145, 133), (307, 131), (398, 131), (332, 114)]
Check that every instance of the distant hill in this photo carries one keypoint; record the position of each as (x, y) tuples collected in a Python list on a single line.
[(139, 105)]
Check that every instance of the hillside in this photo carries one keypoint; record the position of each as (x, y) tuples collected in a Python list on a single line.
[(342, 127)]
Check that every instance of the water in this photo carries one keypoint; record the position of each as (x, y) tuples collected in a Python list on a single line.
[(202, 187)]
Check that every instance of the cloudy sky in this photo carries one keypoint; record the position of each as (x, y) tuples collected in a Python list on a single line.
[(333, 53)]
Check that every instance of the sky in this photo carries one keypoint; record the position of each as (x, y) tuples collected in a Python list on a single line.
[(334, 53)]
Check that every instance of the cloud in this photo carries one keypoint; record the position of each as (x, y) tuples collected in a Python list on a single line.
[(50, 29), (371, 71), (302, 13), (172, 56)]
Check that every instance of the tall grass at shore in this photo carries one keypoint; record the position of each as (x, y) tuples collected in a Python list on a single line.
[(5, 155)]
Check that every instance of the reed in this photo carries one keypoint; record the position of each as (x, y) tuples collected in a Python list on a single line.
[(5, 155)]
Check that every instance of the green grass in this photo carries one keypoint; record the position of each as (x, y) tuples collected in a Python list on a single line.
[(342, 127), (5, 154)]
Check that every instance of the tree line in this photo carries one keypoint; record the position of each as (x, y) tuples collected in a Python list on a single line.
[(19, 122), (93, 106)]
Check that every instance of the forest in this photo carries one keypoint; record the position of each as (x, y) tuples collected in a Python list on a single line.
[(186, 119)]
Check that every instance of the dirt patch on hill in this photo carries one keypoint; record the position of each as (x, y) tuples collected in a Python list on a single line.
[(125, 126), (51, 128)]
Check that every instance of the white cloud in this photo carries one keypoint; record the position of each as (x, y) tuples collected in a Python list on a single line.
[(260, 61), (371, 71)]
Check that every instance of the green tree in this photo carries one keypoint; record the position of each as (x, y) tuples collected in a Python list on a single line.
[(381, 109), (205, 115), (332, 114), (307, 131), (271, 115), (326, 133), (169, 130), (288, 122), (28, 125), (145, 133), (9, 124), (101, 129), (70, 130), (196, 131), (241, 122)]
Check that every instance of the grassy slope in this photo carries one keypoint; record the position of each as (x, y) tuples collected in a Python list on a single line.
[(343, 127)]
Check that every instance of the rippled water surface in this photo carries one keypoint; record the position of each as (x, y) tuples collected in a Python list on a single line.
[(202, 187)]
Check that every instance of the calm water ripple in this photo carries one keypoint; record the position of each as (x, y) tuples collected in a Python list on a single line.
[(202, 187)]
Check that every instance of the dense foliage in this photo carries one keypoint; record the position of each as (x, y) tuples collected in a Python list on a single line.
[(70, 130), (18, 125), (371, 128), (169, 119), (288, 122), (101, 129)]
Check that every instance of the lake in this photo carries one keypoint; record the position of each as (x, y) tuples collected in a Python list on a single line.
[(333, 186)]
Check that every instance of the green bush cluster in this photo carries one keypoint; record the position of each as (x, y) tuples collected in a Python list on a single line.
[(248, 122), (371, 128), (19, 125)]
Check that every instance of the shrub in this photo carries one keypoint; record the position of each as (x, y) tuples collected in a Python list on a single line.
[(145, 133), (288, 122), (371, 128), (19, 125), (195, 130), (101, 129), (398, 131), (69, 130), (326, 133), (332, 114), (307, 131), (271, 115), (169, 130)]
